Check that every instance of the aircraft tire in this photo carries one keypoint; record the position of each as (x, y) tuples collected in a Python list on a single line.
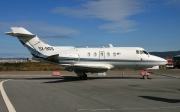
[(145, 77), (85, 76)]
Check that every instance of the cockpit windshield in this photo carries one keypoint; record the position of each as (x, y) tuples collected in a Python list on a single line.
[(142, 52), (145, 52)]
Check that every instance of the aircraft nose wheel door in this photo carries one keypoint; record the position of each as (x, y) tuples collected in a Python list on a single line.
[(101, 55)]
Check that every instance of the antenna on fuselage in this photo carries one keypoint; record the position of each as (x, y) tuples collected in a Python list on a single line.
[(110, 45)]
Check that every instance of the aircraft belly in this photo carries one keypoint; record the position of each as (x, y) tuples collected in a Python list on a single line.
[(123, 64), (146, 64)]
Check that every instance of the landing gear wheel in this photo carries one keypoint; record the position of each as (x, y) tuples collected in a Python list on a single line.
[(85, 76), (145, 77), (80, 77)]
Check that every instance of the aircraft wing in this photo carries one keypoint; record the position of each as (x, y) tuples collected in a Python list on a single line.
[(94, 68)]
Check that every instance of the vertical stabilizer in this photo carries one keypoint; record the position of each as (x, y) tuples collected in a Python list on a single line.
[(36, 46)]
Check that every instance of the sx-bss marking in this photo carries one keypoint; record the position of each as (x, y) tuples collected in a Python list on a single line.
[(46, 48)]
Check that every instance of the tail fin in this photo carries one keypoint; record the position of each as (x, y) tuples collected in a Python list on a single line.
[(36, 46)]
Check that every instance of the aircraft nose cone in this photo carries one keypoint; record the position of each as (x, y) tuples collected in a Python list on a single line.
[(163, 61), (159, 60)]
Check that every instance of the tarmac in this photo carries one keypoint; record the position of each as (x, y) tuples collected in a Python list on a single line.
[(126, 91)]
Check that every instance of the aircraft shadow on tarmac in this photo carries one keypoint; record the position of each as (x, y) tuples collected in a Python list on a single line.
[(161, 99), (75, 78)]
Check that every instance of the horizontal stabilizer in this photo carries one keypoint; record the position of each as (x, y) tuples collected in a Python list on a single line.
[(20, 32)]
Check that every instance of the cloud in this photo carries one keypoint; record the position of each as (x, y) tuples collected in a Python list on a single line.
[(39, 27), (115, 12), (59, 30), (119, 26), (172, 2)]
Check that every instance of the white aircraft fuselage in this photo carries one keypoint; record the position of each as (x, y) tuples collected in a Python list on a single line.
[(84, 60)]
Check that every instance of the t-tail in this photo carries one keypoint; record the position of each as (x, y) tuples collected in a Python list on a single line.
[(36, 46)]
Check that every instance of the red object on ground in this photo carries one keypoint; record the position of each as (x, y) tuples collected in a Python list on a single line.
[(145, 72), (170, 63), (56, 73)]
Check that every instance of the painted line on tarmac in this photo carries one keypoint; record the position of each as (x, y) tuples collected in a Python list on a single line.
[(155, 108), (5, 97)]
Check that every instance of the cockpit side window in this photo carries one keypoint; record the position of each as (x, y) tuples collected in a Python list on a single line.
[(145, 52), (141, 52)]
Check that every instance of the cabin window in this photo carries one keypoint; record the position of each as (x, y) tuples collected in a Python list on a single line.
[(95, 54), (137, 51), (108, 54), (88, 54), (114, 54)]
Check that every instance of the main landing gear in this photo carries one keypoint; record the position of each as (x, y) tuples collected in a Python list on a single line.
[(82, 75)]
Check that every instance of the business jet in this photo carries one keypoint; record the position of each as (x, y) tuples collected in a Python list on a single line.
[(86, 60)]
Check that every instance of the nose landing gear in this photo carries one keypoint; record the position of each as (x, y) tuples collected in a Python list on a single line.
[(145, 74)]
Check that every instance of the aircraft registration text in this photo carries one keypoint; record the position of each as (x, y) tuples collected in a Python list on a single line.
[(46, 48)]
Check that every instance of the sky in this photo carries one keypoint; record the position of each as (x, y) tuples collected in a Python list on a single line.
[(151, 24)]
